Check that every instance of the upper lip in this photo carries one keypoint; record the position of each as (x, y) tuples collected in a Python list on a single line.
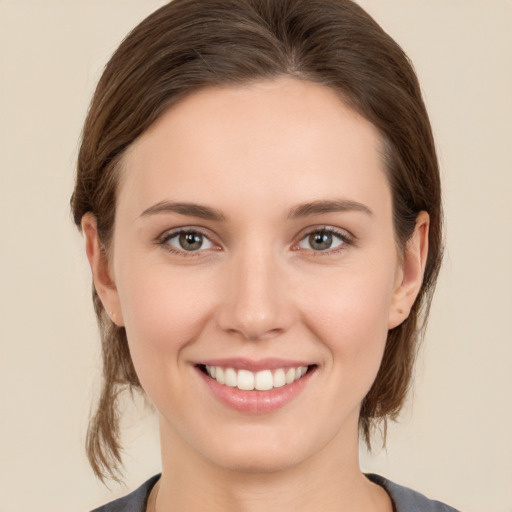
[(271, 363)]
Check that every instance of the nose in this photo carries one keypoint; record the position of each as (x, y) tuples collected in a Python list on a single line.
[(256, 304)]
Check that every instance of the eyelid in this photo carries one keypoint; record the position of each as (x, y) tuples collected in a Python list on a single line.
[(167, 235), (347, 238), (162, 239)]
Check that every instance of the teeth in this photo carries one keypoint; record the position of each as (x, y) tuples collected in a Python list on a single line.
[(279, 378), (231, 377), (261, 381), (245, 380), (219, 374)]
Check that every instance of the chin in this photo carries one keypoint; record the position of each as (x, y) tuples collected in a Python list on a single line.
[(262, 451)]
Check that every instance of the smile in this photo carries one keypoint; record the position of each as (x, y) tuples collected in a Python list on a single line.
[(263, 380), (256, 387)]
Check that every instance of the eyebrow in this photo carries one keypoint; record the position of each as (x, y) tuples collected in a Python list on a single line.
[(327, 206), (190, 209), (302, 210)]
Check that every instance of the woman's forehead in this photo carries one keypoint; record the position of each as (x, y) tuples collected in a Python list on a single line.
[(286, 139)]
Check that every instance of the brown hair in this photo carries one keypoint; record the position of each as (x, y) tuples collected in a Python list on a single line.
[(191, 44)]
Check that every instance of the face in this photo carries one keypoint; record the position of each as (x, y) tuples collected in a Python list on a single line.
[(255, 269)]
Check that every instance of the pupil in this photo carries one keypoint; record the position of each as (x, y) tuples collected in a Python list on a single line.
[(321, 240), (191, 241)]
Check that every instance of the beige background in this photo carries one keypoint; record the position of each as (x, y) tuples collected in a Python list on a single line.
[(453, 443)]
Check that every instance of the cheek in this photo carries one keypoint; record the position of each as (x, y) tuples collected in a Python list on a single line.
[(163, 312), (352, 321)]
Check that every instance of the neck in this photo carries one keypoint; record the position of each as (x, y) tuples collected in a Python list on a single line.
[(329, 481)]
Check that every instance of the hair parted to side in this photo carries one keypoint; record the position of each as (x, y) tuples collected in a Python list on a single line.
[(187, 45)]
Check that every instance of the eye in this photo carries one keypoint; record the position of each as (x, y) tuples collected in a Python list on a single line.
[(322, 240), (187, 240)]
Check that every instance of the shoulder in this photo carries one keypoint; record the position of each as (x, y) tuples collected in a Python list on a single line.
[(133, 502), (407, 500), (404, 499)]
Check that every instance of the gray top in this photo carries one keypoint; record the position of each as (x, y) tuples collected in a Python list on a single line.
[(404, 499)]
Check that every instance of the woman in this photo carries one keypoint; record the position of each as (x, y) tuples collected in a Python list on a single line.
[(259, 192)]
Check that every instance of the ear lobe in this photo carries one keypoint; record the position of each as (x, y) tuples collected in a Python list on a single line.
[(101, 273), (410, 277)]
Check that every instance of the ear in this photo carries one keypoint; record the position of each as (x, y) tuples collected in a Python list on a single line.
[(101, 272), (410, 273)]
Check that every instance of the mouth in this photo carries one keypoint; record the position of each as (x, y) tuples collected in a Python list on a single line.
[(256, 386), (265, 379)]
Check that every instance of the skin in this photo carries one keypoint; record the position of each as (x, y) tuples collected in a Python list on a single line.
[(257, 288)]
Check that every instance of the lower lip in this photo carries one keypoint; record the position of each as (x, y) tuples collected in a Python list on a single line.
[(255, 402)]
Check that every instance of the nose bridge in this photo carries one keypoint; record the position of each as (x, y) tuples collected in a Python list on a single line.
[(255, 304)]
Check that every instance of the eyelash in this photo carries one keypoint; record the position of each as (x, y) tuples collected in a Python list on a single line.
[(164, 239), (345, 238)]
